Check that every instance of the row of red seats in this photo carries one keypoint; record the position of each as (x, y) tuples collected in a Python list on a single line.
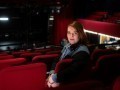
[(33, 76), (16, 74), (30, 57), (23, 77), (104, 59), (100, 52)]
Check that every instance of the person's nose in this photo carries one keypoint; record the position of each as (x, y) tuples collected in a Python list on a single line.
[(72, 34)]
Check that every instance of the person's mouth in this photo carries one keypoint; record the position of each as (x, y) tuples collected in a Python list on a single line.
[(71, 39)]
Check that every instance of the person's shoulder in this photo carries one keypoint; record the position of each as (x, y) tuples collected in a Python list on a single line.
[(67, 45), (83, 48)]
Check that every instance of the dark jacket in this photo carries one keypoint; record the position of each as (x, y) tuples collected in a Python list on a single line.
[(76, 67)]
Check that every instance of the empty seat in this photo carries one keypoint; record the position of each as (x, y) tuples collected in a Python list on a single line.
[(23, 77), (11, 62), (116, 85), (3, 54), (6, 57), (107, 67), (17, 54), (48, 59), (100, 52), (29, 56)]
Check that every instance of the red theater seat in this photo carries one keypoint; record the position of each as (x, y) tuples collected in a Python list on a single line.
[(43, 51), (17, 54), (11, 62), (29, 56), (6, 57), (23, 77), (116, 85), (3, 54), (107, 67), (47, 59), (100, 52), (62, 64), (65, 63)]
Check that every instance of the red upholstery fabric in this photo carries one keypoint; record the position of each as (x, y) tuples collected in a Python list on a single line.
[(47, 59), (24, 77), (17, 54), (100, 52), (3, 54), (116, 85), (108, 67), (62, 64), (6, 57), (44, 57), (29, 56), (11, 62), (43, 51)]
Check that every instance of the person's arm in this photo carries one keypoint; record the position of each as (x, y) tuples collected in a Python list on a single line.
[(53, 66), (79, 63), (56, 61)]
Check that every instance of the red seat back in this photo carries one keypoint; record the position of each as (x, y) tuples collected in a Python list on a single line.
[(62, 64), (29, 56), (47, 59), (6, 57), (23, 77), (11, 62), (116, 85), (100, 52), (108, 67)]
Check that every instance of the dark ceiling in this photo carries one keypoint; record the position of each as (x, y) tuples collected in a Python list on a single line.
[(91, 5)]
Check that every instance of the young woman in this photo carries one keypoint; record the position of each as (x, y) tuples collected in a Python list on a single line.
[(77, 50)]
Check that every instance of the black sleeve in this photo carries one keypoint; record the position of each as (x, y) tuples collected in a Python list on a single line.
[(79, 62), (56, 60), (54, 63)]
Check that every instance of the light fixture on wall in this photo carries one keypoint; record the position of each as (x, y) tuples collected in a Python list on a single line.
[(4, 18)]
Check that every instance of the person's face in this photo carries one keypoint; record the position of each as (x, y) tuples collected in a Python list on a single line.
[(72, 35)]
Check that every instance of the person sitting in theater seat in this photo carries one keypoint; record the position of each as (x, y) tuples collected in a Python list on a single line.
[(77, 50)]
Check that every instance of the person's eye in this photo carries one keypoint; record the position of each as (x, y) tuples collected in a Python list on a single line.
[(68, 32), (75, 33)]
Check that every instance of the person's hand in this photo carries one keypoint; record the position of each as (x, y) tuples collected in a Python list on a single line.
[(54, 85), (47, 81), (51, 83)]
